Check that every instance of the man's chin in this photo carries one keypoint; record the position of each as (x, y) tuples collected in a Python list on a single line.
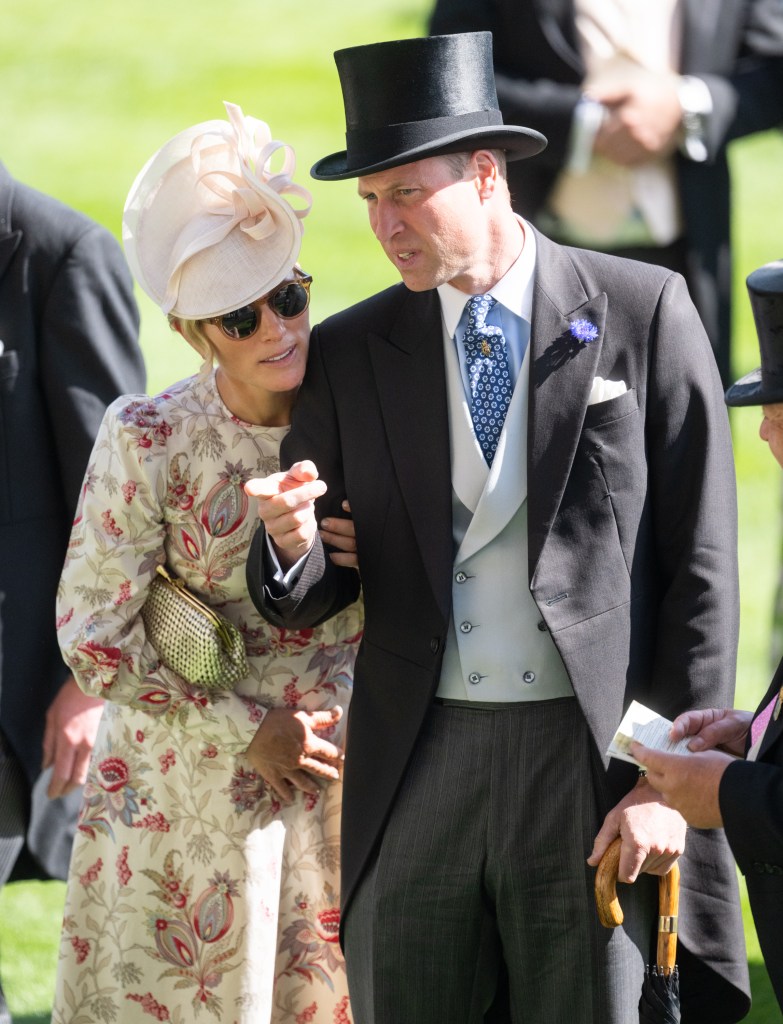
[(416, 282)]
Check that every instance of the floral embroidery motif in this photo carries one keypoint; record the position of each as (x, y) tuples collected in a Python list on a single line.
[(150, 1005), (245, 789), (311, 938), (124, 873), (184, 901)]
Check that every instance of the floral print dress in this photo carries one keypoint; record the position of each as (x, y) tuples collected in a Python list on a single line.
[(193, 894)]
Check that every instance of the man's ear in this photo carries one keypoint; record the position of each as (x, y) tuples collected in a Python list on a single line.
[(486, 173)]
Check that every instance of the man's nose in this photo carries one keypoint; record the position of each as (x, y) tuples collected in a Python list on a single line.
[(386, 221)]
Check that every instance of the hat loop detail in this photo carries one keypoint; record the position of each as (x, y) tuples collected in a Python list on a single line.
[(235, 199)]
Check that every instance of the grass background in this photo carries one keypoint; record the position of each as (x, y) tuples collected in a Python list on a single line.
[(90, 91)]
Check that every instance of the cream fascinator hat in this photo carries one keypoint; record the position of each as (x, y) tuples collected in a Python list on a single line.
[(207, 227)]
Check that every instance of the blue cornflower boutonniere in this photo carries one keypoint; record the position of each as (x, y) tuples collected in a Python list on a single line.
[(583, 331)]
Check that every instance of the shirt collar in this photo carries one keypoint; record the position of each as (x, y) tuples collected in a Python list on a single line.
[(514, 290)]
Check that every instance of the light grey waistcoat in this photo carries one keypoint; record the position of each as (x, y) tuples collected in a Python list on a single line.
[(495, 650)]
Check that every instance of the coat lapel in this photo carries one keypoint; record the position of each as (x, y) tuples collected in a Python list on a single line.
[(561, 377), (411, 382)]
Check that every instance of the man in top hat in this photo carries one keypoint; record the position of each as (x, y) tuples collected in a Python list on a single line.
[(536, 453), (640, 102), (734, 778)]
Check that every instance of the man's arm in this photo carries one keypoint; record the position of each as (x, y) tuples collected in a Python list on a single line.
[(748, 96), (298, 502), (693, 565), (693, 499), (750, 796)]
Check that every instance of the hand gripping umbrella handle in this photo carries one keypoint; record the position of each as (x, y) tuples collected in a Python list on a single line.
[(610, 912)]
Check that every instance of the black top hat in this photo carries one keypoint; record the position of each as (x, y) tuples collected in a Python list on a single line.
[(764, 386), (413, 98)]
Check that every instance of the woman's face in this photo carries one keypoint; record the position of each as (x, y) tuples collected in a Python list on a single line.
[(273, 358)]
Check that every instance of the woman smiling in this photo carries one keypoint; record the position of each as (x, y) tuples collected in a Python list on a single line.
[(205, 873)]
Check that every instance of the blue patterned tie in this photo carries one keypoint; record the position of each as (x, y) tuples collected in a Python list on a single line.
[(491, 385)]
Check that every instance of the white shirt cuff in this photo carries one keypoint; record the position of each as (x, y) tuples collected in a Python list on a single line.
[(286, 580)]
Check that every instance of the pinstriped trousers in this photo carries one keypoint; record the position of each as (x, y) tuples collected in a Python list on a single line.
[(481, 875)]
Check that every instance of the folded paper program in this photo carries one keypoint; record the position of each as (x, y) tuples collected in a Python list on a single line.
[(648, 728)]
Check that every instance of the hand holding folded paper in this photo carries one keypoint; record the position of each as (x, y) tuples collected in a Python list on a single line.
[(647, 727)]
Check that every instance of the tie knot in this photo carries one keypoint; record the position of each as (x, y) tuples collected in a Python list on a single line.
[(479, 307)]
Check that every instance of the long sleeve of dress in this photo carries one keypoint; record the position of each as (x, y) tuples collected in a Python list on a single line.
[(119, 536)]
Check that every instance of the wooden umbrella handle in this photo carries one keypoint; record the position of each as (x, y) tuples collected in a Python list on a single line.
[(610, 913), (668, 910)]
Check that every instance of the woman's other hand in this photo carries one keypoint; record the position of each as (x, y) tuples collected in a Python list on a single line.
[(341, 534), (288, 754)]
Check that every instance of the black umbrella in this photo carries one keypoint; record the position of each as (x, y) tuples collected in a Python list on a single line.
[(660, 999)]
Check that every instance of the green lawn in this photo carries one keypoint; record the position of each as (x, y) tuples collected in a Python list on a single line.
[(91, 90)]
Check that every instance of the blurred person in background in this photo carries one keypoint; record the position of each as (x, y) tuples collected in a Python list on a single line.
[(734, 778), (638, 102), (68, 346), (204, 882)]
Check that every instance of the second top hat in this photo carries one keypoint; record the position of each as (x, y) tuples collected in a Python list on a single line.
[(412, 98), (764, 386)]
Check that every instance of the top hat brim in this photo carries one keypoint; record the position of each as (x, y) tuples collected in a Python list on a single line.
[(517, 143), (753, 390)]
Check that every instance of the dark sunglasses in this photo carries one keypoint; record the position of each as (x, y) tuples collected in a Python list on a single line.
[(288, 301)]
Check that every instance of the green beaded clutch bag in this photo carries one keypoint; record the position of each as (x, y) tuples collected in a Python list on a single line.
[(190, 638)]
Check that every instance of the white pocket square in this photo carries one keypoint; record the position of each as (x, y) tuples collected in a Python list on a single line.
[(602, 390)]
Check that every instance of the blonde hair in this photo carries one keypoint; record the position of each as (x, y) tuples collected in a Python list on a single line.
[(194, 334)]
